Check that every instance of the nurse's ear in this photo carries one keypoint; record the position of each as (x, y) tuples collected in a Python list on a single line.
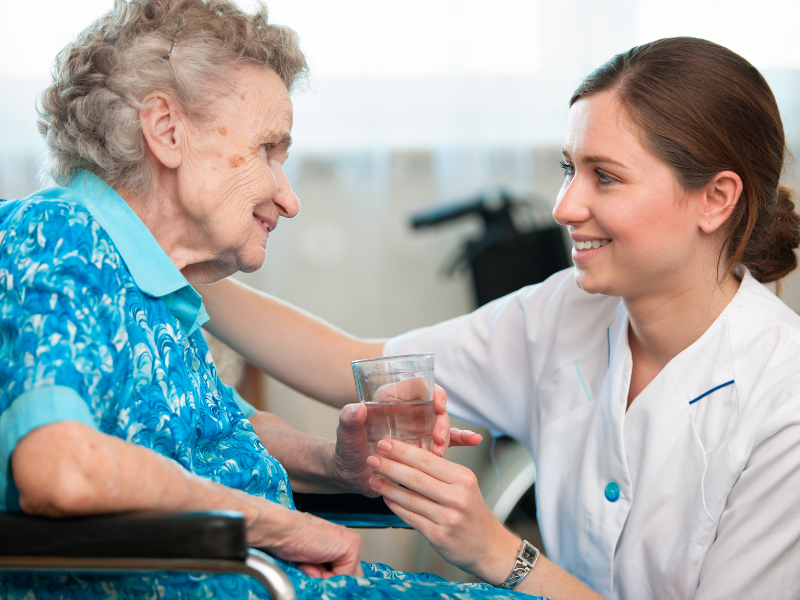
[(163, 128), (718, 198)]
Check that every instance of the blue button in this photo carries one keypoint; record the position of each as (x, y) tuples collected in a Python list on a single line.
[(612, 492)]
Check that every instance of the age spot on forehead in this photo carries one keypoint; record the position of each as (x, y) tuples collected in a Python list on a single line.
[(222, 131), (236, 161), (241, 97)]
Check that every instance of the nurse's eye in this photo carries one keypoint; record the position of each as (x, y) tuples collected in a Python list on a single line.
[(603, 179), (569, 170)]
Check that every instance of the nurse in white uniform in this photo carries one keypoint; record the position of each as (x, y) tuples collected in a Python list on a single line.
[(656, 384)]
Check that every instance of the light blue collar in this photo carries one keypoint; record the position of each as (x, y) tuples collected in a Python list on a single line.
[(151, 268)]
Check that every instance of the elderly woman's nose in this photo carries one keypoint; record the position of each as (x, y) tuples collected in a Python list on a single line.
[(287, 201)]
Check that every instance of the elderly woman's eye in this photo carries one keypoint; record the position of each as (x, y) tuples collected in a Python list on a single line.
[(266, 148)]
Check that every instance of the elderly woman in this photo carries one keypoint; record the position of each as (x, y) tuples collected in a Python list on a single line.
[(168, 124)]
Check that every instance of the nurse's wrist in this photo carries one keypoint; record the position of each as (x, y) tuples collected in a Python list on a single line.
[(497, 560)]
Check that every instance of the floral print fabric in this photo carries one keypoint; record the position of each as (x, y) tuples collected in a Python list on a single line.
[(73, 320)]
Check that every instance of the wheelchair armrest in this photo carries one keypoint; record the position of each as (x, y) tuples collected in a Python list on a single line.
[(351, 510), (201, 542), (207, 535)]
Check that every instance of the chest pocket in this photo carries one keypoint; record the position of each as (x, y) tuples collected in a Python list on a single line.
[(715, 418), (571, 387)]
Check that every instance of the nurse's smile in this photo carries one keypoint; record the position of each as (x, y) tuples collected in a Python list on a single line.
[(585, 249)]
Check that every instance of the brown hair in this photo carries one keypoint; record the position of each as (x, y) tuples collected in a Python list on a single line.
[(89, 116), (704, 109)]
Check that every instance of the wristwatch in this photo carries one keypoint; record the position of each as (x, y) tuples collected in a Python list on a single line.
[(526, 560)]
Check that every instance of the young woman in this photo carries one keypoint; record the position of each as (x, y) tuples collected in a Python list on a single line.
[(656, 384)]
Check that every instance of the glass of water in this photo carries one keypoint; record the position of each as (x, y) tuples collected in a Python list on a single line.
[(398, 393)]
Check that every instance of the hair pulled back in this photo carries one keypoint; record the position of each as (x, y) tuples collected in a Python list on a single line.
[(704, 109), (89, 116)]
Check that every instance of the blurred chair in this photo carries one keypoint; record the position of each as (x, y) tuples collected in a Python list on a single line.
[(505, 257)]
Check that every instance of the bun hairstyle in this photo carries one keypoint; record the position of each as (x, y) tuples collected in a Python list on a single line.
[(704, 109), (89, 116)]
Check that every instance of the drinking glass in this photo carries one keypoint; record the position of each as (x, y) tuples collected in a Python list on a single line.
[(398, 393)]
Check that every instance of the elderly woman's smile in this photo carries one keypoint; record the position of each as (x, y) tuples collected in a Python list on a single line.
[(219, 182)]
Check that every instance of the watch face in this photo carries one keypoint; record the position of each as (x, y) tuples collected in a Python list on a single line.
[(529, 553), (526, 560)]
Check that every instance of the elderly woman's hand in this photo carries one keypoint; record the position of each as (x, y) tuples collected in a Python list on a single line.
[(321, 549), (442, 501), (351, 452)]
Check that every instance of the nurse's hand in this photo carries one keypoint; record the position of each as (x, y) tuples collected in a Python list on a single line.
[(351, 452), (442, 501)]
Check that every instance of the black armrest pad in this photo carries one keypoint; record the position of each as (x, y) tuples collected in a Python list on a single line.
[(210, 535), (340, 504)]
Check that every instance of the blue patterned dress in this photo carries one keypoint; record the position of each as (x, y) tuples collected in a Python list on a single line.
[(98, 326)]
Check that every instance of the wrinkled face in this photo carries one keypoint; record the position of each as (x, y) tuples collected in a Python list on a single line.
[(232, 181), (631, 223)]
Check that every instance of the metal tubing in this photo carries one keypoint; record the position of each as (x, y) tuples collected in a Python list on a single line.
[(257, 565), (515, 489), (267, 570)]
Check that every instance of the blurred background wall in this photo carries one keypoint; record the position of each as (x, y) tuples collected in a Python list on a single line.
[(410, 103)]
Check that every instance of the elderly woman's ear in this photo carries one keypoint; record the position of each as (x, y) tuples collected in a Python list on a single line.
[(164, 129)]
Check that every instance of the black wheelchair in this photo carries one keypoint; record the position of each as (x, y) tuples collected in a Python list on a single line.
[(200, 542)]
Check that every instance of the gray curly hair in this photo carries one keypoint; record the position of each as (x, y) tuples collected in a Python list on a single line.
[(89, 116)]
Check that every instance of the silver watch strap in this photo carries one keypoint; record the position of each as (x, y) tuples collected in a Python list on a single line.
[(526, 560)]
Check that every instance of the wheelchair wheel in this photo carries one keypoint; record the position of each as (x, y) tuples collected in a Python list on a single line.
[(512, 494)]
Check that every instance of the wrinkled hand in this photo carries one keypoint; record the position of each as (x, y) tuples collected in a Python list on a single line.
[(351, 451), (321, 549), (442, 501)]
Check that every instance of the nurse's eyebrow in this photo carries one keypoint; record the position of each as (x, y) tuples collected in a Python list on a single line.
[(603, 159), (596, 159)]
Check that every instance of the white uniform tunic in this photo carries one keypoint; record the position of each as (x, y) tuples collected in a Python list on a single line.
[(695, 491)]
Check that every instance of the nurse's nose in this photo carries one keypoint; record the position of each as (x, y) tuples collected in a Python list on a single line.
[(572, 205)]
